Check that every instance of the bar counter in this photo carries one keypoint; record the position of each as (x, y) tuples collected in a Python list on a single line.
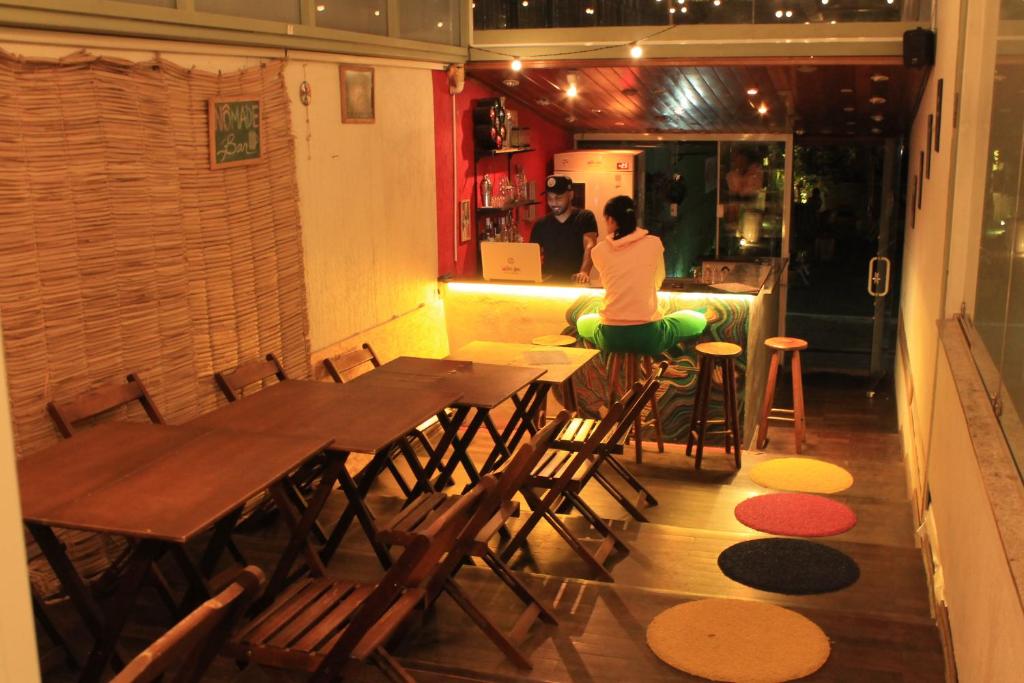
[(746, 314)]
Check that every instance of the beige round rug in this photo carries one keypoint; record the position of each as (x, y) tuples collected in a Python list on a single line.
[(807, 475), (735, 640)]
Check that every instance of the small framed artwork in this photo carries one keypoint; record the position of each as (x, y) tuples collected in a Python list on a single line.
[(913, 204), (464, 221), (920, 179), (357, 93), (938, 113), (928, 165)]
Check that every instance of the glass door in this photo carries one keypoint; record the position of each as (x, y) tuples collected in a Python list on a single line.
[(844, 265)]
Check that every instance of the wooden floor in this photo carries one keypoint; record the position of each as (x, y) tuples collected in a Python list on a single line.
[(880, 627)]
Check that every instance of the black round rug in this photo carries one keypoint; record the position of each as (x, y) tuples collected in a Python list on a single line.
[(788, 565)]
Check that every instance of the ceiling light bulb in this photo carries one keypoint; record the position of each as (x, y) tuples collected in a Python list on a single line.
[(526, 3), (376, 12), (321, 8), (672, 10), (636, 52), (440, 24), (716, 3), (763, 109), (824, 2), (589, 10), (778, 14), (789, 14), (889, 2), (516, 64), (752, 91), (877, 100)]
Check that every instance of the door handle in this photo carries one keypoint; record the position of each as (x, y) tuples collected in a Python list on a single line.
[(878, 284)]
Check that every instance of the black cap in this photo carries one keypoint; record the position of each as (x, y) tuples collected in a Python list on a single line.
[(558, 184)]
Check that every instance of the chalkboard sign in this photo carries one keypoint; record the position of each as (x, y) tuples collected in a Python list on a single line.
[(236, 132)]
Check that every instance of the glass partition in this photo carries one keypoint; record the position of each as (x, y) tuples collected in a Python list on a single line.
[(999, 299), (751, 193), (271, 10), (363, 16), (432, 21), (512, 14)]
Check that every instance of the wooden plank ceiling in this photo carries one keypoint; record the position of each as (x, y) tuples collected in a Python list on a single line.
[(873, 99)]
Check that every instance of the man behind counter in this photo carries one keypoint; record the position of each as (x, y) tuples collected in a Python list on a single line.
[(566, 234)]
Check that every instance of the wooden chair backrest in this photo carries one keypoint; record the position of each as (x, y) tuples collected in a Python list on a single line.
[(514, 472), (418, 567), (231, 382), (98, 401), (194, 641), (340, 367), (633, 403)]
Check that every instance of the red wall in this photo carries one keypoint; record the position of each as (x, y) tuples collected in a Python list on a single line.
[(545, 138)]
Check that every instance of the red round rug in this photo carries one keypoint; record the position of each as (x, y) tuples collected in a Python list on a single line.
[(796, 514)]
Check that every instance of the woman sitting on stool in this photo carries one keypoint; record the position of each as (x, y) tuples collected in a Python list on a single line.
[(632, 266)]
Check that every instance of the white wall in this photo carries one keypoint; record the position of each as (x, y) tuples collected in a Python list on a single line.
[(922, 302)]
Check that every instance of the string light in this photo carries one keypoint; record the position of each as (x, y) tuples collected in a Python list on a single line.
[(516, 64), (636, 52)]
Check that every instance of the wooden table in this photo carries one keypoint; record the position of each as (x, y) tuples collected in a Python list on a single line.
[(483, 386), (159, 485), (365, 415), (558, 363)]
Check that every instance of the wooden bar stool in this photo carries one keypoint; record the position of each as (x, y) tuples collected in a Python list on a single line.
[(780, 346), (711, 355), (632, 363)]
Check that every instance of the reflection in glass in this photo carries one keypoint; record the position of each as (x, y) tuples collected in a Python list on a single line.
[(999, 299), (505, 14), (432, 21), (751, 198), (363, 16), (271, 10)]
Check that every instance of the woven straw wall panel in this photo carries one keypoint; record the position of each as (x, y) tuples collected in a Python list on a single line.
[(121, 251)]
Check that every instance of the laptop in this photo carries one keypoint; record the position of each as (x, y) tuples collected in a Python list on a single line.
[(519, 261)]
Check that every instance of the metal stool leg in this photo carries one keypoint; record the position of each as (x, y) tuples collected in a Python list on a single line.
[(648, 371)]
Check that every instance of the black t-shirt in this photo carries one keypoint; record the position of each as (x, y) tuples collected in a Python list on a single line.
[(562, 243)]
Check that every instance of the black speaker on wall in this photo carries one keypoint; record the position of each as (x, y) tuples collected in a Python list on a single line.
[(919, 47)]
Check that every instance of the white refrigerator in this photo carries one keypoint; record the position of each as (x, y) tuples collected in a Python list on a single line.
[(600, 174)]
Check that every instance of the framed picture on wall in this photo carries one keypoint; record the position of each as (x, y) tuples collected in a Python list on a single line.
[(928, 164), (357, 93)]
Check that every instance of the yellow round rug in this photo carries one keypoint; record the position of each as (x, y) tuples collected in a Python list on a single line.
[(801, 474), (735, 640)]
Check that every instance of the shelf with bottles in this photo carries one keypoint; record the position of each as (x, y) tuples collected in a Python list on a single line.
[(504, 208), (504, 151), (503, 228)]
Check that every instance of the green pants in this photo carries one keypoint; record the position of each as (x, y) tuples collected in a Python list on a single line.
[(649, 339)]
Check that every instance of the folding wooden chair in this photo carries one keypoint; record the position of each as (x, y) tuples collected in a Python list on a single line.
[(350, 365), (99, 558), (579, 430), (560, 475), (195, 641), (474, 541), (328, 626)]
